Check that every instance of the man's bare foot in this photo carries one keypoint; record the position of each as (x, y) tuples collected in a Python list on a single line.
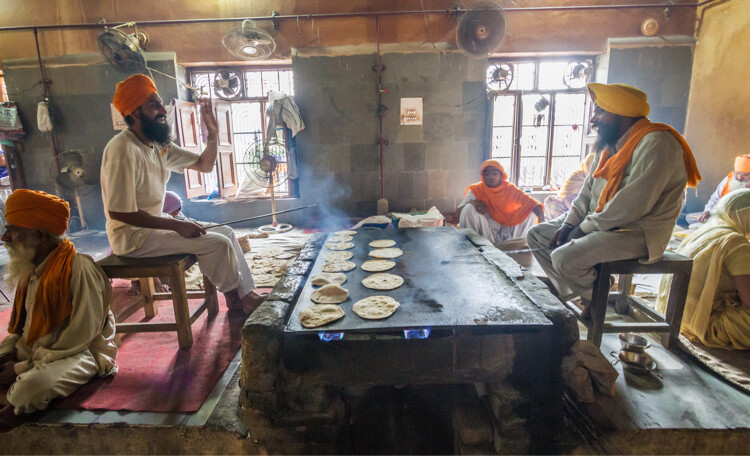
[(252, 301), (135, 288)]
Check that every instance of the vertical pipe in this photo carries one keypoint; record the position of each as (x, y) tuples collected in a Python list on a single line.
[(380, 108)]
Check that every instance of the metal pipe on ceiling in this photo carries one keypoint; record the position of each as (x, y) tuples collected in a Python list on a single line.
[(357, 14)]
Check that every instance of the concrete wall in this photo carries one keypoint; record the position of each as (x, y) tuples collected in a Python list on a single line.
[(718, 118), (424, 165), (80, 96)]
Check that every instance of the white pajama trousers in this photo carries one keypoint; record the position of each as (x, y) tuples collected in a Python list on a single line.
[(34, 389), (570, 267), (489, 228), (220, 257)]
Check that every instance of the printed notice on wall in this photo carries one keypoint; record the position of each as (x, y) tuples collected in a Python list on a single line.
[(411, 111), (118, 123)]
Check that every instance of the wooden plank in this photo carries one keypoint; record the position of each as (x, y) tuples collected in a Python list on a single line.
[(147, 326), (636, 327)]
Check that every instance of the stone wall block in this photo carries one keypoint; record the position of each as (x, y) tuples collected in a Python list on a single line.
[(290, 286), (299, 268), (472, 424)]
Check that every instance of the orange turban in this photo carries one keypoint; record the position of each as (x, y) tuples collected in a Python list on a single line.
[(131, 93), (37, 211), (742, 163), (620, 99)]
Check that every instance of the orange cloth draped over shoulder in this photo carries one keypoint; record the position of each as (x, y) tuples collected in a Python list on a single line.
[(52, 302), (131, 93), (613, 169), (506, 203)]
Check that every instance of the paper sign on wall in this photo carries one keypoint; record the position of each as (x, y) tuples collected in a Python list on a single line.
[(411, 111), (118, 123)]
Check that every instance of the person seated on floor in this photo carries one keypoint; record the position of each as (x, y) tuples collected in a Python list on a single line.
[(497, 209), (136, 166), (557, 205), (628, 206), (717, 308), (735, 180), (61, 331)]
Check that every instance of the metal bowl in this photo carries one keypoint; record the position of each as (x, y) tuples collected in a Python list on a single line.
[(634, 343), (639, 363)]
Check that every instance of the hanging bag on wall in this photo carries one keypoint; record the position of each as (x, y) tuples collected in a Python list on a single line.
[(43, 120)]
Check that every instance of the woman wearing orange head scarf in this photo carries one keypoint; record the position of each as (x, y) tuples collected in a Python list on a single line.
[(497, 209)]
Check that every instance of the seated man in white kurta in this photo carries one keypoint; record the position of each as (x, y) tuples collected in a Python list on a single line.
[(497, 209), (61, 331), (136, 165)]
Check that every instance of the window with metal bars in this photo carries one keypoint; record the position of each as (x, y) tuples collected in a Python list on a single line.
[(246, 89), (539, 115)]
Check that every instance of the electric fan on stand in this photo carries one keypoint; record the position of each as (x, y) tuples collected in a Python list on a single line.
[(265, 164), (75, 172)]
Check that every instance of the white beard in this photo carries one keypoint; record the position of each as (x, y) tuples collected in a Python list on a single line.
[(20, 264), (735, 184)]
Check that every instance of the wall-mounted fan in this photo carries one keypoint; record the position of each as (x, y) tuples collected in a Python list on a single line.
[(75, 173), (577, 74), (248, 42), (481, 30), (228, 84), (500, 77)]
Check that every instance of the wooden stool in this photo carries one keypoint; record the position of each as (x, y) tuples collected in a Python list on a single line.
[(172, 266), (648, 319)]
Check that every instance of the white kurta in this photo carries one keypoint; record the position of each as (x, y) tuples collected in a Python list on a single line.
[(488, 227), (636, 223), (134, 177), (72, 354)]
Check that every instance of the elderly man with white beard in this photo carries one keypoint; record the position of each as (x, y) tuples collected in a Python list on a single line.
[(61, 331), (737, 179)]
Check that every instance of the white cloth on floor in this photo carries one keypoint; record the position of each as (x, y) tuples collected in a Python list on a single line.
[(488, 227), (220, 257), (81, 348)]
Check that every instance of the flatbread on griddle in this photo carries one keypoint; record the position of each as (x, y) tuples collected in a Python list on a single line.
[(345, 232), (319, 315), (338, 256), (377, 265), (339, 245), (338, 266), (342, 238), (375, 307), (392, 252), (329, 294), (328, 278), (382, 243), (383, 281)]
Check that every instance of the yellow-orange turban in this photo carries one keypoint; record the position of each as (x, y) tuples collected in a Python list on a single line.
[(742, 163), (620, 99), (38, 211), (131, 93)]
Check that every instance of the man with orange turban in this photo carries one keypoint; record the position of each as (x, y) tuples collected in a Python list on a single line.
[(61, 331), (497, 209), (628, 206), (735, 180), (136, 166)]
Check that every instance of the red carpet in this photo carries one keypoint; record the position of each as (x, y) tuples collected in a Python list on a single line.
[(155, 375)]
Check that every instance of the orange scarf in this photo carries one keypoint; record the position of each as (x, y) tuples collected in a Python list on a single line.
[(52, 303), (613, 169), (506, 203)]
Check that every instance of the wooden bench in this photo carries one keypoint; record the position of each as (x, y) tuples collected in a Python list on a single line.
[(648, 319), (174, 267)]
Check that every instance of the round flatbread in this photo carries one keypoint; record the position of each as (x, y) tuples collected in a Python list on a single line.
[(330, 294), (345, 233), (393, 252), (339, 245), (328, 278), (343, 238), (383, 281), (338, 266), (285, 256), (338, 256), (265, 280), (375, 307), (377, 265), (319, 315), (382, 243)]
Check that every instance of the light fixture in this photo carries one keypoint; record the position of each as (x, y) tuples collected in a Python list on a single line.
[(250, 50)]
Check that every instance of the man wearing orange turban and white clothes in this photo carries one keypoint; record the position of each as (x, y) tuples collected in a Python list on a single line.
[(497, 209), (628, 206), (61, 331), (136, 166), (735, 180)]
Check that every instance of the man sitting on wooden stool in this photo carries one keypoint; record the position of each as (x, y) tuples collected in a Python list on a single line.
[(628, 207), (61, 331), (135, 169)]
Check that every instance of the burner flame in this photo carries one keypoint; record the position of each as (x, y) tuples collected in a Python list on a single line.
[(328, 337), (420, 333)]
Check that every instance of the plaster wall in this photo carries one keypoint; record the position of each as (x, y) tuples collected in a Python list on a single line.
[(718, 116)]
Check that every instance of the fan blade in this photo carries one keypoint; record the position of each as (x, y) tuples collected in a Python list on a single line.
[(68, 180), (481, 30)]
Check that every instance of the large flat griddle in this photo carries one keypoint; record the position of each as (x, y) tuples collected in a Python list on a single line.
[(448, 284)]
